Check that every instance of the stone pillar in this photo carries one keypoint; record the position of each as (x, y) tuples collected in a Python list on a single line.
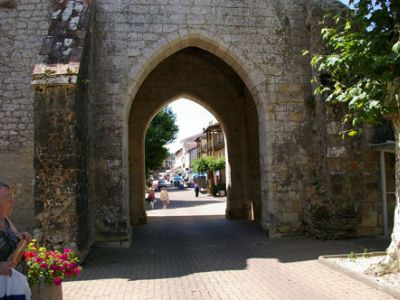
[(56, 162), (239, 202), (61, 126), (137, 175)]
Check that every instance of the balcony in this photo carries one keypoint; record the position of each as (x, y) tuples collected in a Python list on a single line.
[(218, 145)]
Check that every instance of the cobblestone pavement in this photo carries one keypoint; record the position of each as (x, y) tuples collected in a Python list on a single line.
[(190, 251)]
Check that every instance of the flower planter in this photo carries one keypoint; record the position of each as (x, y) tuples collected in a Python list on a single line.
[(44, 291), (49, 266)]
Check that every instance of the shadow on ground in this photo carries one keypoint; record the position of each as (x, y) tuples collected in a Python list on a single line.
[(175, 204), (177, 190), (177, 246)]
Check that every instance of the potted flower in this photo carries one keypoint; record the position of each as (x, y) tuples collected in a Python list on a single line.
[(46, 269)]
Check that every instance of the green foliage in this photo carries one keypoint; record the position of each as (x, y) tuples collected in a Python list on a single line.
[(162, 130), (360, 59), (216, 164), (208, 164), (352, 256), (200, 165)]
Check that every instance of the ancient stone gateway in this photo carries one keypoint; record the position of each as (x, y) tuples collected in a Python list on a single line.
[(106, 67), (205, 78)]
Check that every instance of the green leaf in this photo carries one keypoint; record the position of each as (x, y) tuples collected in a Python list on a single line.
[(396, 47), (347, 26), (374, 104), (362, 58), (352, 133), (161, 131)]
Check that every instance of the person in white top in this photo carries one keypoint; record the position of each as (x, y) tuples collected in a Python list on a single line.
[(164, 197)]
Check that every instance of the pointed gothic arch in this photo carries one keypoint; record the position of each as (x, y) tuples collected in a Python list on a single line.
[(214, 84)]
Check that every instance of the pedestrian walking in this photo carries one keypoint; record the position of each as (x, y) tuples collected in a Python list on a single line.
[(152, 197), (196, 189), (164, 197)]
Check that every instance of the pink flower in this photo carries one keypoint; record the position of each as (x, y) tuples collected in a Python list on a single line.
[(50, 265), (57, 281), (71, 265), (44, 265), (29, 254)]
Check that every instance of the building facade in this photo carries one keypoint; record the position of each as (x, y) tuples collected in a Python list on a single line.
[(215, 140), (189, 148), (201, 145)]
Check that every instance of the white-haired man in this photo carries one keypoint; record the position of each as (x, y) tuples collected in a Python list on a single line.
[(9, 235)]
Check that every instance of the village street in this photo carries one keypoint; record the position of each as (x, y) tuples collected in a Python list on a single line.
[(190, 251)]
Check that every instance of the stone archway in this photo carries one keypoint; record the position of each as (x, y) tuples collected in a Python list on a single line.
[(87, 82), (215, 85)]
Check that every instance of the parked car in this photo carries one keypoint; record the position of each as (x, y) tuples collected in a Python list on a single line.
[(159, 183), (177, 181), (162, 183)]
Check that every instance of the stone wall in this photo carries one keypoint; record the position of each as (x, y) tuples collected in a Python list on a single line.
[(261, 40), (302, 161), (343, 199), (302, 158), (22, 26)]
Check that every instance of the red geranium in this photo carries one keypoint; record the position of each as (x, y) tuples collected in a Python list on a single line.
[(50, 266)]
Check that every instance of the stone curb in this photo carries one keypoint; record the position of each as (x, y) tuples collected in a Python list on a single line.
[(359, 276)]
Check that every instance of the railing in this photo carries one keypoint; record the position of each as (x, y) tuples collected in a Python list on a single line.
[(219, 145)]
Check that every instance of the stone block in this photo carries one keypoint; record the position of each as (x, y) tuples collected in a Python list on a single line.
[(10, 4), (365, 231), (290, 217), (369, 218)]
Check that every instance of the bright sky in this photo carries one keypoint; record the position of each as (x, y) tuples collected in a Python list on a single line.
[(191, 118), (345, 2)]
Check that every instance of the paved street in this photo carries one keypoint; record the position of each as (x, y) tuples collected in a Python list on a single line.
[(190, 251)]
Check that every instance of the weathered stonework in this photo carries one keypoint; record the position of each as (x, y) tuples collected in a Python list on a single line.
[(61, 200), (10, 4), (61, 117), (22, 25), (242, 60), (56, 162)]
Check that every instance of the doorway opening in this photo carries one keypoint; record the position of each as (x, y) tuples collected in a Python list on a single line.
[(188, 175), (201, 76)]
